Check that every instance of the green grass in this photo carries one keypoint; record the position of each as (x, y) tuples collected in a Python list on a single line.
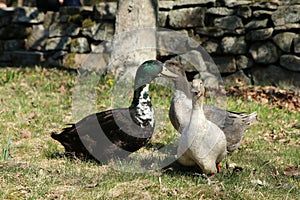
[(35, 101)]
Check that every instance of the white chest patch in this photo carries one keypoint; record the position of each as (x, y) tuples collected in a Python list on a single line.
[(145, 112)]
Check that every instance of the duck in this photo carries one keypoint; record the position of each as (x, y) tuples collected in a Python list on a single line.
[(202, 142), (233, 124), (116, 133)]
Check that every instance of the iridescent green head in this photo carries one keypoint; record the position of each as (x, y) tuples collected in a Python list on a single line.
[(150, 70)]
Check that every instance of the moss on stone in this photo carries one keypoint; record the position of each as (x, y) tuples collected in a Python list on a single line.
[(69, 61), (88, 23), (76, 19)]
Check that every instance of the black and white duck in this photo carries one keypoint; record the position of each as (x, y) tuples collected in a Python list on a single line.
[(117, 132), (202, 142), (233, 124)]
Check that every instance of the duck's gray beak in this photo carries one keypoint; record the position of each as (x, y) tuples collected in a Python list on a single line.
[(167, 73)]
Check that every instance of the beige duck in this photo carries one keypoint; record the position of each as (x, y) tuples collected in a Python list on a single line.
[(202, 142), (233, 124)]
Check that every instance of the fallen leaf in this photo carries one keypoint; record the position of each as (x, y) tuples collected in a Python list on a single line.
[(275, 172), (286, 99), (291, 171), (31, 115), (260, 183), (25, 134), (92, 185), (23, 84)]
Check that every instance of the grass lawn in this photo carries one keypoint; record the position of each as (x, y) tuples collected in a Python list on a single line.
[(35, 101)]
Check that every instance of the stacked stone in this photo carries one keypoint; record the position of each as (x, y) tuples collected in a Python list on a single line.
[(64, 38), (250, 42)]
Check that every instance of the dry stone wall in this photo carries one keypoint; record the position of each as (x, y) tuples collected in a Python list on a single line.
[(251, 43)]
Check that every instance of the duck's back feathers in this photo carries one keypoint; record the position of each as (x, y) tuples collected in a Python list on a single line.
[(234, 127), (105, 135)]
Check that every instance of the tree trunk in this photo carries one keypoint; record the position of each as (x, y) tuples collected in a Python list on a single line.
[(135, 36)]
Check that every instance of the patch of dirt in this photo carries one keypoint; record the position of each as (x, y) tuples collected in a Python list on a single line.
[(280, 98)]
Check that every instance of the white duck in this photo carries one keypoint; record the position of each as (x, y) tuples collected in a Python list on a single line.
[(233, 124), (202, 142)]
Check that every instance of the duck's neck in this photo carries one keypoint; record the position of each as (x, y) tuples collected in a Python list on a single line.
[(198, 103), (141, 103)]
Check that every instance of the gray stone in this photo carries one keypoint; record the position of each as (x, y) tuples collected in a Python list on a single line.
[(58, 43), (238, 31), (277, 76), (165, 5), (5, 57), (38, 38), (99, 31), (30, 15), (265, 5), (6, 16), (200, 61), (260, 34), (286, 14), (220, 11), (228, 22), (60, 30), (214, 84), (244, 11), (212, 46), (226, 64), (80, 45), (284, 40), (92, 61), (105, 11), (192, 2), (27, 58), (162, 18), (193, 61), (14, 31), (256, 23), (234, 45), (297, 45), (210, 31), (264, 53), (187, 17), (98, 48), (290, 62), (262, 13), (50, 18), (193, 41), (233, 3), (287, 27), (244, 62), (171, 42), (11, 45), (237, 79), (70, 10), (293, 1)]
